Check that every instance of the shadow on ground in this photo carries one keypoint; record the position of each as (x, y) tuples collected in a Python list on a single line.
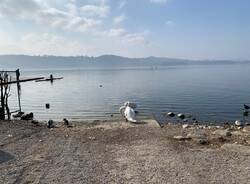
[(5, 157)]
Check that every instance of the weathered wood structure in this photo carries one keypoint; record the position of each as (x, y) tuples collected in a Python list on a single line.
[(6, 79)]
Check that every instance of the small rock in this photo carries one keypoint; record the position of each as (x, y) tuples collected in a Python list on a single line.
[(10, 135), (92, 138), (222, 139), (237, 133), (219, 127), (35, 122), (185, 126), (27, 117), (185, 120), (247, 123), (246, 129), (202, 141), (197, 135), (222, 133), (181, 138), (196, 122), (200, 127), (18, 115)]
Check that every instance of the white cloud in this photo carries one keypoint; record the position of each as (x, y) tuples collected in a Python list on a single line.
[(42, 13), (94, 10), (72, 8), (119, 19), (87, 19), (119, 32), (50, 44), (7, 46), (135, 38), (19, 9), (124, 36)]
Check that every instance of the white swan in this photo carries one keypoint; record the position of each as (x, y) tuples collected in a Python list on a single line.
[(128, 111)]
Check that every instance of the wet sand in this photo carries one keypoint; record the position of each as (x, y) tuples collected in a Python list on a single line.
[(120, 152)]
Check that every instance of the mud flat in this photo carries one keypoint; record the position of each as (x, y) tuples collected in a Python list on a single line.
[(120, 152)]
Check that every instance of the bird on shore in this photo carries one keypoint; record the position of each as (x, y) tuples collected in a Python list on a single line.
[(50, 124), (128, 111), (171, 114), (66, 122), (246, 107), (181, 116)]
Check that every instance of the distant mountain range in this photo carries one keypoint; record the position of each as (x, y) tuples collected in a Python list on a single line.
[(51, 62)]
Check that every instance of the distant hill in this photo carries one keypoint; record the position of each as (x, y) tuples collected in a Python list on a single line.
[(45, 62)]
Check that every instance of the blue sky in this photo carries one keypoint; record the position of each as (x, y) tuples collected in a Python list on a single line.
[(192, 29)]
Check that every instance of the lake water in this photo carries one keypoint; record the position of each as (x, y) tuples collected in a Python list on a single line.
[(211, 93)]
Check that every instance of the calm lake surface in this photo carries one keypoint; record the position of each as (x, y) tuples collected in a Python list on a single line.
[(211, 93)]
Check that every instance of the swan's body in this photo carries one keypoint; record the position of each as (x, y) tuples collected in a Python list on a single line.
[(128, 111), (129, 114)]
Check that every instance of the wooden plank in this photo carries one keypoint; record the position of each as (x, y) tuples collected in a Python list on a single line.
[(8, 71), (23, 80), (49, 79)]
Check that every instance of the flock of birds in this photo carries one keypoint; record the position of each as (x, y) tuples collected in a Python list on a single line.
[(128, 111), (237, 122), (182, 117)]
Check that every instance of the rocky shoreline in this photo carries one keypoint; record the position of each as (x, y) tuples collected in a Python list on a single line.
[(207, 134), (121, 152)]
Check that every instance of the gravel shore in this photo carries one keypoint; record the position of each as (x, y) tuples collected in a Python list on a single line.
[(120, 152)]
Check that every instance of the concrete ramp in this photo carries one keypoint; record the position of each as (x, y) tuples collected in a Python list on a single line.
[(122, 124)]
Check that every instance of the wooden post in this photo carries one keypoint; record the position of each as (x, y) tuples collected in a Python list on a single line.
[(18, 89), (2, 111)]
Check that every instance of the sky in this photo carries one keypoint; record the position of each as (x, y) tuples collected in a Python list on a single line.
[(191, 29)]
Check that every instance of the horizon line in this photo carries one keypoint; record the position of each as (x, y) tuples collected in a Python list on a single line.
[(113, 55)]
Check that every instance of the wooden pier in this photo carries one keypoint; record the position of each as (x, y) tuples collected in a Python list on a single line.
[(5, 82)]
